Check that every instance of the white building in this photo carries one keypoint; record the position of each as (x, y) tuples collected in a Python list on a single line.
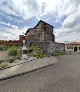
[(72, 47)]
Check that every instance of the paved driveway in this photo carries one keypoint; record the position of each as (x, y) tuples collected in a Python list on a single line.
[(61, 77)]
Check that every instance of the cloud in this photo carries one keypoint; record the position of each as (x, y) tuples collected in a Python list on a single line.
[(29, 8), (20, 14), (72, 20), (11, 32), (70, 29), (5, 8), (24, 8)]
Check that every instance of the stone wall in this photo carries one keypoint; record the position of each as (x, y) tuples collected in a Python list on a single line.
[(21, 38), (40, 35), (41, 32), (35, 35), (51, 47)]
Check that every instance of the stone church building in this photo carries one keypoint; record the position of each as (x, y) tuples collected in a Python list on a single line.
[(42, 36), (41, 32)]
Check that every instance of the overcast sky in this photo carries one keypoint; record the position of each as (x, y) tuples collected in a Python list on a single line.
[(16, 16)]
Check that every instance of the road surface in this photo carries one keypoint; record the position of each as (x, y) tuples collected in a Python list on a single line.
[(64, 76)]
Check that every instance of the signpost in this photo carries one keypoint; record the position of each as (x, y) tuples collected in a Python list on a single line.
[(24, 51)]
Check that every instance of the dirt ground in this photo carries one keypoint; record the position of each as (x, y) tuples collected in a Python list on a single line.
[(4, 55)]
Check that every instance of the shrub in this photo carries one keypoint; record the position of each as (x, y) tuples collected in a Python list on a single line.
[(4, 65), (1, 61), (13, 51), (18, 58), (30, 50), (34, 55), (3, 48), (37, 57), (36, 51), (40, 55), (11, 60)]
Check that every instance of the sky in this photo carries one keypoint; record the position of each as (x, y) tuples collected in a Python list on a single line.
[(16, 16)]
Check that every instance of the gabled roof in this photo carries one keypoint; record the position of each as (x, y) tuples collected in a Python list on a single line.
[(37, 24), (44, 23), (73, 43), (28, 30)]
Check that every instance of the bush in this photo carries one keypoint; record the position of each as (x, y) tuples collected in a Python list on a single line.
[(4, 65), (30, 50), (11, 60), (36, 51), (1, 61), (13, 51), (18, 58), (3, 48), (34, 55), (39, 55)]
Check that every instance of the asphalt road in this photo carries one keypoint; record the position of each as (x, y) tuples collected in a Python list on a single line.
[(64, 76)]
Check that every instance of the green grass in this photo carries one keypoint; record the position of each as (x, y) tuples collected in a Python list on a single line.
[(4, 65), (58, 53)]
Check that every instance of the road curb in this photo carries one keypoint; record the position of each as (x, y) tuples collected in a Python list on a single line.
[(17, 64), (22, 73)]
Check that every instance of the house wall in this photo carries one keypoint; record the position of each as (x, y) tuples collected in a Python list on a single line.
[(71, 48)]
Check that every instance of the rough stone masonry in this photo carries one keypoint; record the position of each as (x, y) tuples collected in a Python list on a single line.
[(42, 36)]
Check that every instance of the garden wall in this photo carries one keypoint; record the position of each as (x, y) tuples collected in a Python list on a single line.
[(51, 47)]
